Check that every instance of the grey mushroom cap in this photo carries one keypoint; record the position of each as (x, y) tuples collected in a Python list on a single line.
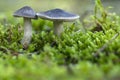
[(58, 15), (25, 11)]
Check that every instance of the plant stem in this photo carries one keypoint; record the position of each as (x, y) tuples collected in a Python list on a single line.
[(106, 44)]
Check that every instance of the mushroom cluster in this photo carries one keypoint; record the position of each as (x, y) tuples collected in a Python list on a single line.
[(58, 16)]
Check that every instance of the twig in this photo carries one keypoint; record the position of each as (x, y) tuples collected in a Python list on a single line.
[(106, 44), (4, 48)]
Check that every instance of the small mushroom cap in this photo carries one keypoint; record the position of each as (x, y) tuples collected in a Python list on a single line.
[(57, 15), (25, 11)]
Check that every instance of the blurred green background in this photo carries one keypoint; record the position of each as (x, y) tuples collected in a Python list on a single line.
[(77, 6)]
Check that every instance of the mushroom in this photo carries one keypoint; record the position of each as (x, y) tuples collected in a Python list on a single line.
[(27, 13), (58, 16)]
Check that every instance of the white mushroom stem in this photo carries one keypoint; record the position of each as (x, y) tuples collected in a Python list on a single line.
[(27, 32), (58, 27)]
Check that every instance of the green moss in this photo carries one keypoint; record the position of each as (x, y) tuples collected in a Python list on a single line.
[(69, 57)]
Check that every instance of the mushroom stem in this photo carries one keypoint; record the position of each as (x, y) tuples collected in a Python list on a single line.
[(27, 32), (58, 27)]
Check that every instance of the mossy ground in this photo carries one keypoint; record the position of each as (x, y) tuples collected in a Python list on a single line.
[(79, 54)]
